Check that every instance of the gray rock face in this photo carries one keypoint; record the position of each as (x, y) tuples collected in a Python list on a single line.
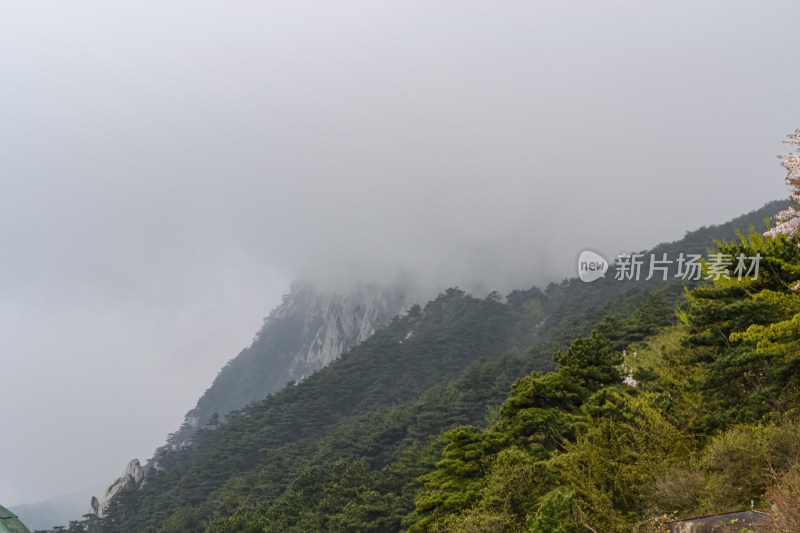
[(335, 322), (132, 479), (311, 328)]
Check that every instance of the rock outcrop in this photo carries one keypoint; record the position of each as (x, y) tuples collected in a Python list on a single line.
[(132, 479)]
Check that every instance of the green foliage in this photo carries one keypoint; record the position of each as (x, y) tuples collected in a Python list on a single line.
[(557, 514), (744, 337), (612, 463), (610, 457), (542, 415), (458, 480), (737, 462)]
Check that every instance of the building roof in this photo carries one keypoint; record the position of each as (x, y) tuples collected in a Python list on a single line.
[(9, 523)]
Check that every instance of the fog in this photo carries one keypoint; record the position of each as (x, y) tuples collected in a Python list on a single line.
[(167, 168)]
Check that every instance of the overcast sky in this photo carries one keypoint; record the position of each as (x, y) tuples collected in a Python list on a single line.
[(167, 168)]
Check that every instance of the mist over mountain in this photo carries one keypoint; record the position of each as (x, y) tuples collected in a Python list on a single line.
[(311, 328), (169, 169), (412, 372), (316, 323), (319, 321)]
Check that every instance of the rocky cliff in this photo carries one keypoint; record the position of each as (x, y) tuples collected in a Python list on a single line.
[(132, 478), (308, 330)]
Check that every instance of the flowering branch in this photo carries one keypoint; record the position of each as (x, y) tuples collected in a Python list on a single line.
[(789, 219)]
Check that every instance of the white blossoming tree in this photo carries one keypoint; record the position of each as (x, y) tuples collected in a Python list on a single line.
[(788, 220)]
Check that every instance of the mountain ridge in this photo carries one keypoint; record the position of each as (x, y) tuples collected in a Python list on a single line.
[(572, 297)]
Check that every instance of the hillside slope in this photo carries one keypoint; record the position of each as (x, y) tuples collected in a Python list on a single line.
[(278, 439)]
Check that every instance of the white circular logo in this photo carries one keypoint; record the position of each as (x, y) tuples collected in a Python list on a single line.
[(591, 266)]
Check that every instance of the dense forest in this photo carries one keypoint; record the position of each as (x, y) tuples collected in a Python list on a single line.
[(605, 406)]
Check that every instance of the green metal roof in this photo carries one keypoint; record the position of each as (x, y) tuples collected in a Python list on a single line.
[(9, 523)]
